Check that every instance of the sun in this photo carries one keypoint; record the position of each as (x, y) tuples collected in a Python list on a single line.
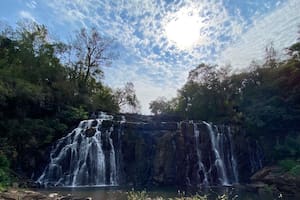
[(184, 30)]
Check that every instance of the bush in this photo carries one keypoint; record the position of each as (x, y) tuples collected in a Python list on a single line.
[(137, 195), (142, 195), (71, 115), (5, 178), (295, 171), (287, 164)]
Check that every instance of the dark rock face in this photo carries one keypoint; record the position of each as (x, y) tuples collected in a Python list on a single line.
[(172, 153)]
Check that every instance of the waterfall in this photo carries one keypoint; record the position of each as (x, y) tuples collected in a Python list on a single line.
[(104, 151), (201, 167), (112, 161), (232, 158), (223, 157), (216, 150), (255, 156), (86, 156)]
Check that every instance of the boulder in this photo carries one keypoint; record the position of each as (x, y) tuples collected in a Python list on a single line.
[(276, 177), (266, 171)]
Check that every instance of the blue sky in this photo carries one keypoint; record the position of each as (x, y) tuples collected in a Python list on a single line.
[(159, 41)]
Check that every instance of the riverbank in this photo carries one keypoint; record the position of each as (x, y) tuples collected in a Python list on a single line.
[(24, 194), (105, 193)]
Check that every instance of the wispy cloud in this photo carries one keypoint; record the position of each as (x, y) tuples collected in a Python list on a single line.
[(31, 4), (27, 15), (279, 27)]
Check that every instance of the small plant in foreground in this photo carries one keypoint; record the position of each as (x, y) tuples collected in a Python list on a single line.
[(137, 195)]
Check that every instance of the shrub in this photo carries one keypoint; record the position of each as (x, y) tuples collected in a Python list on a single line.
[(295, 171), (137, 195), (5, 178), (287, 164)]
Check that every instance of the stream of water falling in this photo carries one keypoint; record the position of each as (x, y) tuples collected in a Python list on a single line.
[(84, 157)]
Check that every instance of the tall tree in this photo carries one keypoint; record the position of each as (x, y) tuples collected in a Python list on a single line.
[(91, 53)]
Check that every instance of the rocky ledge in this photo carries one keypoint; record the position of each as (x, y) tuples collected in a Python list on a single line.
[(14, 194), (274, 177)]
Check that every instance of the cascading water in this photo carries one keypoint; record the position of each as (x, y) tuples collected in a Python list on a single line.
[(255, 156), (86, 156), (219, 163), (103, 151), (232, 158), (223, 158), (201, 167)]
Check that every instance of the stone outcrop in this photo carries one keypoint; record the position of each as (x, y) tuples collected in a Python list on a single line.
[(275, 177)]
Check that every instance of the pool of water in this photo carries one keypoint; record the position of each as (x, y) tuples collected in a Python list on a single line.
[(120, 193)]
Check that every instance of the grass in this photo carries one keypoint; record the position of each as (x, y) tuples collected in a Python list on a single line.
[(142, 195)]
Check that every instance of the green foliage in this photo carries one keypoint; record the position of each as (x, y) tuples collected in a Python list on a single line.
[(288, 148), (5, 178), (42, 93), (159, 106), (287, 164), (290, 166), (295, 171), (137, 195), (72, 114), (142, 195), (294, 51)]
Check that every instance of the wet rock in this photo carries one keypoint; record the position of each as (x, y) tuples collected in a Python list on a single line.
[(107, 124), (170, 126), (32, 195), (133, 126), (90, 132), (274, 176), (266, 171), (94, 123), (164, 158)]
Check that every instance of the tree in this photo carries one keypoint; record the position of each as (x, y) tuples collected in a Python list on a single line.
[(126, 97), (91, 52), (159, 106), (270, 56), (294, 51)]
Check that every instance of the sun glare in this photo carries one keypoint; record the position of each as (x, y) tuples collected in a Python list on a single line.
[(184, 31)]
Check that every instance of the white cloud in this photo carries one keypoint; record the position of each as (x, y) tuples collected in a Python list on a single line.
[(27, 15), (31, 4), (279, 27)]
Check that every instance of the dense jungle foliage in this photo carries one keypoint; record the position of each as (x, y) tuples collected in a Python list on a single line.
[(47, 87)]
